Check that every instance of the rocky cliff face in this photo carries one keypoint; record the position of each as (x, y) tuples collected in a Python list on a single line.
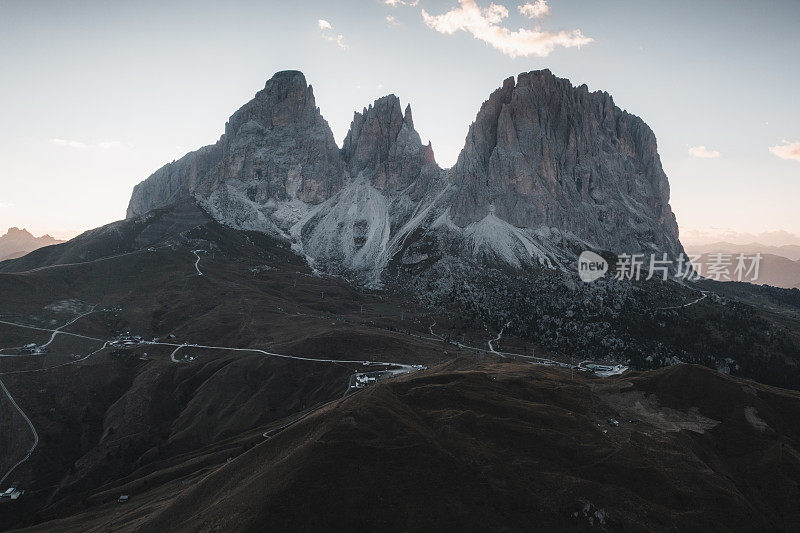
[(547, 169), (542, 153), (383, 143), (276, 147), (391, 174)]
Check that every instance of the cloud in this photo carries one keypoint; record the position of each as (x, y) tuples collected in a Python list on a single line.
[(395, 3), (103, 145), (484, 24), (535, 10), (787, 150), (327, 33), (392, 21), (71, 144), (109, 144), (339, 40), (703, 152)]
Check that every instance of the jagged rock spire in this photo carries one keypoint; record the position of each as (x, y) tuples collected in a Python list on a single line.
[(383, 145)]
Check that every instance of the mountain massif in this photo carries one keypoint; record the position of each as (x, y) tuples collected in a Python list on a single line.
[(18, 242), (547, 170)]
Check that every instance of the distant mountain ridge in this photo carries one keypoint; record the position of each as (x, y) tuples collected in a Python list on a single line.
[(789, 251), (18, 242), (779, 265), (547, 170)]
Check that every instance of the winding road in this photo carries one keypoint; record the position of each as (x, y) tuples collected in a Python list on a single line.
[(58, 329), (33, 430), (430, 328), (54, 332), (532, 359), (401, 368), (197, 263), (172, 355), (49, 330), (703, 297), (499, 336), (409, 368)]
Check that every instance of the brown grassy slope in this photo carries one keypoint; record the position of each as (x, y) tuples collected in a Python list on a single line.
[(508, 447)]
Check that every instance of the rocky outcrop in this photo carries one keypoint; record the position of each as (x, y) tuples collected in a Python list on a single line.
[(383, 144), (276, 147), (542, 153), (391, 174)]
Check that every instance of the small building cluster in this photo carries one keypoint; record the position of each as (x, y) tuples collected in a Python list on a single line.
[(32, 348), (594, 367), (127, 340), (362, 380), (604, 370), (11, 493)]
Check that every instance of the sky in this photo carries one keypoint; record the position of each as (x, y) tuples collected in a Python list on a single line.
[(95, 96)]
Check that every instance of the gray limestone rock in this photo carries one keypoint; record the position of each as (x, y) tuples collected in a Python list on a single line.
[(547, 169), (277, 146), (544, 153)]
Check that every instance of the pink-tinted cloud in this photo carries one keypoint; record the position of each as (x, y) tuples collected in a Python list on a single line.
[(484, 23), (703, 152), (535, 10), (787, 150), (326, 30)]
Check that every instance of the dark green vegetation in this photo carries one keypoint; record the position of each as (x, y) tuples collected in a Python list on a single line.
[(750, 331), (475, 442)]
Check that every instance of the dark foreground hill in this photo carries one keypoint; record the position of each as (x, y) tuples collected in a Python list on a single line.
[(508, 447), (208, 373)]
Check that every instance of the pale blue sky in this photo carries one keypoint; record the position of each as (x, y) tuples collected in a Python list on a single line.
[(97, 95)]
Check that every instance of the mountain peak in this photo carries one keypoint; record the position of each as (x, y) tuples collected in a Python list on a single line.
[(544, 153), (290, 76), (15, 232), (17, 242), (286, 99), (250, 162), (407, 117), (22, 233), (383, 145)]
